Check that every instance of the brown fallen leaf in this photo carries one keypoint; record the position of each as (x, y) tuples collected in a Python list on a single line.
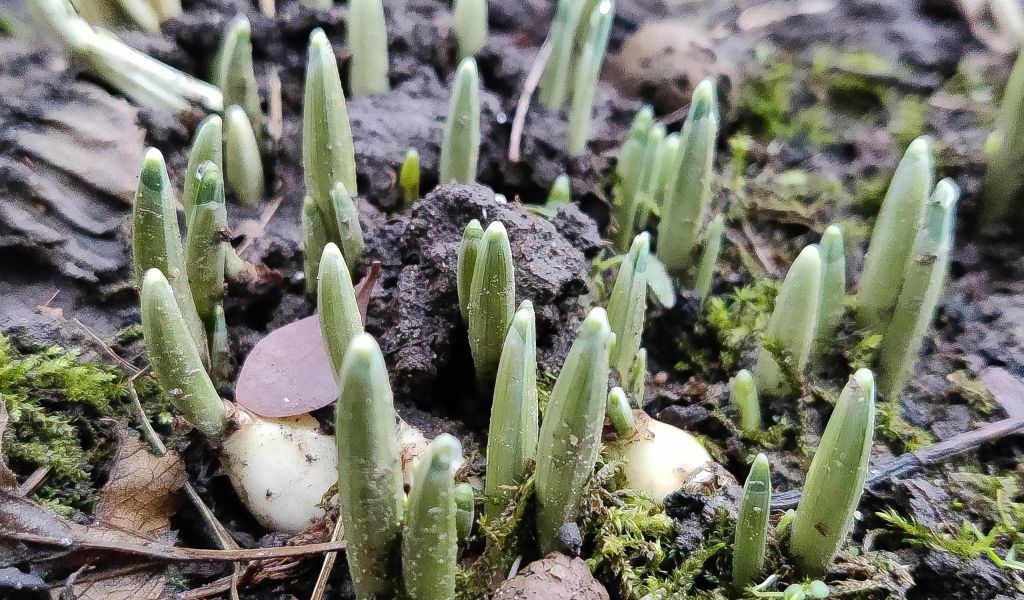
[(288, 372), (7, 479), (141, 492), (364, 289)]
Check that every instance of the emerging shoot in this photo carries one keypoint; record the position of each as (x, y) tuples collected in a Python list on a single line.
[(570, 435), (893, 236), (328, 154), (409, 177), (689, 192), (620, 413), (340, 322), (835, 481), (709, 257), (743, 394), (468, 249), (587, 73), (1003, 178), (205, 246), (627, 307), (512, 437), (233, 72), (833, 286), (470, 25), (207, 145), (752, 525), (460, 149), (242, 158), (368, 42), (492, 295), (792, 323)]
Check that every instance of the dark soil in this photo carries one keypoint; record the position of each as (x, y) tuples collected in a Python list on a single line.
[(64, 208)]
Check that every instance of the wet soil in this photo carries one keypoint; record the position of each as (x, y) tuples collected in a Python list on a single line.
[(64, 212)]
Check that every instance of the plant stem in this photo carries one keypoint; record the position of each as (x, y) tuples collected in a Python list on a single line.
[(461, 146), (587, 74)]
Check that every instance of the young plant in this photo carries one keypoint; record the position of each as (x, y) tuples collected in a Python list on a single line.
[(174, 356), (460, 149), (512, 437), (468, 248), (554, 81), (233, 72), (141, 78), (340, 322), (689, 192), (835, 481), (1002, 184), (792, 323), (709, 257), (242, 161), (923, 284), (627, 307), (629, 170), (314, 239), (636, 384), (669, 157), (620, 413), (328, 154), (204, 247), (587, 73), (743, 394), (370, 487), (368, 41), (220, 348), (346, 230), (833, 286), (409, 177), (430, 540), (207, 146), (561, 191), (893, 236), (570, 435), (752, 525), (465, 507), (156, 242), (470, 25), (492, 295)]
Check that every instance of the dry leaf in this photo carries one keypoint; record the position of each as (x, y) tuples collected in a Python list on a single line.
[(288, 372), (141, 493), (7, 479)]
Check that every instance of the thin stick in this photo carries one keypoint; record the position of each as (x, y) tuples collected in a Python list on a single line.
[(325, 570), (275, 103), (523, 106), (912, 462), (265, 218), (106, 348), (33, 482), (176, 554)]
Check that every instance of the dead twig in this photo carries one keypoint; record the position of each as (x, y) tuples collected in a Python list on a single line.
[(913, 462), (175, 554), (33, 482), (265, 218), (523, 106), (325, 570), (114, 355)]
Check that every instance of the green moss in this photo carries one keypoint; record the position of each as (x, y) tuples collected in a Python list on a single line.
[(766, 106), (735, 318), (894, 430), (972, 390), (55, 402)]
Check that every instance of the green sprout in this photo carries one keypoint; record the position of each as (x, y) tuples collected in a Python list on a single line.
[(468, 248), (370, 490), (314, 239), (669, 157), (460, 149), (465, 506), (554, 81), (752, 524), (409, 177), (587, 73), (570, 435), (636, 383), (792, 323), (835, 480), (893, 236), (743, 394), (207, 145), (138, 76), (627, 307), (689, 193), (204, 246), (328, 154), (336, 304), (430, 540), (629, 171), (561, 191), (242, 161), (709, 257), (620, 413), (1002, 179), (346, 231), (492, 295), (220, 348), (156, 242), (368, 42), (512, 437), (470, 25), (233, 72), (923, 284), (173, 354), (833, 286)]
